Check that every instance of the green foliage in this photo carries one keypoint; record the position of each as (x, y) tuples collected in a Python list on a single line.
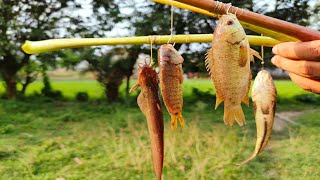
[(112, 67), (27, 20), (7, 129), (98, 140), (82, 96), (47, 90), (200, 95), (296, 11), (308, 98), (69, 58), (38, 20), (154, 19)]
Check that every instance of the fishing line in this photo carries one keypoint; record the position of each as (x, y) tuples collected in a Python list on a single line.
[(151, 44), (240, 12), (171, 24), (230, 5), (262, 56), (236, 11)]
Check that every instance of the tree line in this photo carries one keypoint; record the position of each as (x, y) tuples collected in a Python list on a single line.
[(38, 20)]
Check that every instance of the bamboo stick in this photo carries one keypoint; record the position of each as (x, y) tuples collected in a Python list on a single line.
[(276, 35), (290, 29), (35, 47)]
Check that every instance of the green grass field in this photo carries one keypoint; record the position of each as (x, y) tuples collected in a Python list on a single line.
[(43, 138), (69, 88)]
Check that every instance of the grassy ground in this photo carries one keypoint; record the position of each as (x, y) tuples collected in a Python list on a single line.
[(46, 139), (69, 88)]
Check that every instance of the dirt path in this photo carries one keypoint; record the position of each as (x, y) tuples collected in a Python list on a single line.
[(283, 119)]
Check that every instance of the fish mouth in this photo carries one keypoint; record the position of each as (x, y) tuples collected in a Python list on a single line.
[(264, 74), (177, 59)]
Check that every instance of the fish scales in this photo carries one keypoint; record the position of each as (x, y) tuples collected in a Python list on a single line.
[(171, 89), (228, 63), (171, 79)]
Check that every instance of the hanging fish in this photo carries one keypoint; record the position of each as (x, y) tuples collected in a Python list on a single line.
[(228, 63), (171, 78), (264, 96), (150, 105)]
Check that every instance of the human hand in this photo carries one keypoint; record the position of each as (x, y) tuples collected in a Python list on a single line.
[(302, 61)]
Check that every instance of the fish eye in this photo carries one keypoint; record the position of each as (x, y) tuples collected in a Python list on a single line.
[(230, 22)]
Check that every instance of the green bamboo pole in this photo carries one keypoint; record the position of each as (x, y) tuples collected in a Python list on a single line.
[(35, 47)]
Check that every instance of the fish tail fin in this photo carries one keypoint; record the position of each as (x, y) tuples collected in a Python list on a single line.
[(174, 120), (234, 113), (247, 160), (228, 117)]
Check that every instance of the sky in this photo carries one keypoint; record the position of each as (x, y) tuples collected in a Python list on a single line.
[(120, 29)]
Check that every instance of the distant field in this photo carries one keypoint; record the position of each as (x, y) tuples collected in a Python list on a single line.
[(69, 88)]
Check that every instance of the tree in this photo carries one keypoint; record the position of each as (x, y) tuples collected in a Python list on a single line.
[(295, 11), (28, 74), (154, 19), (112, 67), (29, 20)]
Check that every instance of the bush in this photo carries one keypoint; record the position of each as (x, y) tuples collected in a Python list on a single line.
[(203, 96), (9, 128), (56, 94), (82, 96), (308, 98)]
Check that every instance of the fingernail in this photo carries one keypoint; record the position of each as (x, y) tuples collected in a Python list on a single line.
[(273, 60), (275, 50)]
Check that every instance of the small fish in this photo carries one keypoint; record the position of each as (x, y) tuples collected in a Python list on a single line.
[(228, 63), (150, 104), (264, 96), (171, 78)]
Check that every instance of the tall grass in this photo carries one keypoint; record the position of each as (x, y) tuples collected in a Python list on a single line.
[(47, 139)]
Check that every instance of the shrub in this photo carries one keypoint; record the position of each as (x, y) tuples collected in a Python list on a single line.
[(82, 96), (308, 98), (203, 96)]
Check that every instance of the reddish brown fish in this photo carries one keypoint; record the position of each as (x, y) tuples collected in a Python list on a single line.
[(150, 105), (228, 62), (264, 97), (171, 78)]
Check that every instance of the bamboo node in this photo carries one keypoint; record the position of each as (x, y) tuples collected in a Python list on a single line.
[(187, 38)]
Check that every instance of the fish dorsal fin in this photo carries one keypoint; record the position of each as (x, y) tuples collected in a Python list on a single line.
[(209, 61), (180, 77), (256, 54)]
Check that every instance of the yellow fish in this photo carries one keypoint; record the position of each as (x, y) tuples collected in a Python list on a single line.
[(264, 97), (171, 78), (228, 63)]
